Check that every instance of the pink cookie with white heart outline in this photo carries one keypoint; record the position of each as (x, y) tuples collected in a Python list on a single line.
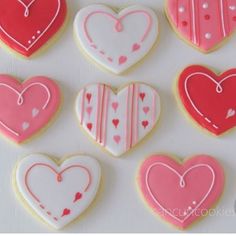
[(117, 121), (116, 41), (27, 25), (181, 193), (57, 193), (205, 24), (26, 108)]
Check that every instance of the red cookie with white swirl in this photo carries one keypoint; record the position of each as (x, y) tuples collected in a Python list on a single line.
[(27, 25), (209, 98)]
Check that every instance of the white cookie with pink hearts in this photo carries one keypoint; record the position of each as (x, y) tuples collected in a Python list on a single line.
[(57, 194), (118, 120), (116, 41)]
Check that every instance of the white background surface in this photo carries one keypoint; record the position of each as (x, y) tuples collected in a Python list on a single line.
[(118, 207)]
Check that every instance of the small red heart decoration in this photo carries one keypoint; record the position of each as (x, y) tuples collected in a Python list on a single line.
[(90, 126), (115, 122), (78, 196), (145, 124), (142, 96), (66, 212)]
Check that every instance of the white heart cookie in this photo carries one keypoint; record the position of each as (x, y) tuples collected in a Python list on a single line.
[(58, 194), (113, 40), (118, 121)]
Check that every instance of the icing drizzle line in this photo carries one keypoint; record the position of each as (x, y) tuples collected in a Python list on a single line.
[(219, 89), (27, 12), (59, 179), (182, 185), (20, 100), (118, 25)]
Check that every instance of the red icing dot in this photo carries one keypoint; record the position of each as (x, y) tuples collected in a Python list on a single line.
[(234, 18), (184, 23), (207, 17)]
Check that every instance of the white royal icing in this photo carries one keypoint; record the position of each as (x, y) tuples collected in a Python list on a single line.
[(58, 194), (116, 41)]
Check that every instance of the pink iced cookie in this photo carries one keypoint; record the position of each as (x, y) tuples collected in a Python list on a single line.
[(28, 107), (204, 23), (181, 194)]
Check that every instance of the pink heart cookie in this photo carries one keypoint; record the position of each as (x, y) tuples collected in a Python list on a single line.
[(58, 194), (181, 193), (118, 121), (28, 107), (204, 24), (116, 41)]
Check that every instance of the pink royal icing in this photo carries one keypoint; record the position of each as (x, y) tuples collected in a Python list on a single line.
[(204, 23), (181, 193), (26, 108)]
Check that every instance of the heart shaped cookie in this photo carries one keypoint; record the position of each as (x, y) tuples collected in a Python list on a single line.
[(58, 194), (203, 24), (181, 193), (28, 107), (26, 25), (209, 99), (116, 41), (118, 121)]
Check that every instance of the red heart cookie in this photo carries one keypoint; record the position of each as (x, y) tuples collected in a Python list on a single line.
[(26, 108), (210, 99), (181, 194), (26, 25), (204, 24)]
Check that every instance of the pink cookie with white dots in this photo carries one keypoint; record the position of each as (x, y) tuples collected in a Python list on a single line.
[(205, 24)]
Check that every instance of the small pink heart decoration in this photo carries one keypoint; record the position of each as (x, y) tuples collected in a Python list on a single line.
[(122, 60), (136, 47), (204, 24), (28, 107), (181, 193)]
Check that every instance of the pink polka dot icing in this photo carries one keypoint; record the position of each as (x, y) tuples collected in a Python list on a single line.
[(204, 23)]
